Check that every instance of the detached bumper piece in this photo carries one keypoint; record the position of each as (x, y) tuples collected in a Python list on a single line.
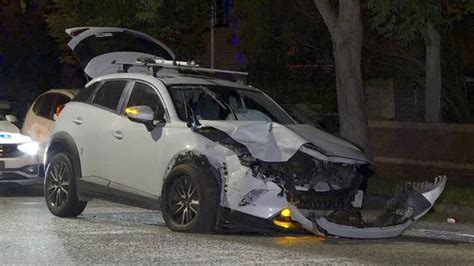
[(412, 202)]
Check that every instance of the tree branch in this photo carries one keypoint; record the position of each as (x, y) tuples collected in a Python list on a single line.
[(328, 13), (304, 11)]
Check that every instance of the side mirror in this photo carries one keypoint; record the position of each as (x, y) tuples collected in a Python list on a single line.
[(159, 115), (143, 114), (11, 118)]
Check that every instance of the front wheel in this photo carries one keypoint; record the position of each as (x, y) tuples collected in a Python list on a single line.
[(190, 198), (60, 188)]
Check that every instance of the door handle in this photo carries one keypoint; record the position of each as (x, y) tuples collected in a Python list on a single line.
[(117, 135), (77, 121)]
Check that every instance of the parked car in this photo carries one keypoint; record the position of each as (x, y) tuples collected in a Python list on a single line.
[(212, 154), (40, 118), (18, 154)]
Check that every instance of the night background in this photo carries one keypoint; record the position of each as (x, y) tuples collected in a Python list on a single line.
[(284, 45), (397, 81)]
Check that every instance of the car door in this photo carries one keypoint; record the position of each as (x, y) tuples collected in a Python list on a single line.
[(94, 133), (137, 150)]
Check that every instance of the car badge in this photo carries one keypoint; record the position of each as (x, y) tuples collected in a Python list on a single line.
[(5, 136)]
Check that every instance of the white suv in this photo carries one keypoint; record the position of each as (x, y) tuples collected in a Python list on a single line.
[(211, 154)]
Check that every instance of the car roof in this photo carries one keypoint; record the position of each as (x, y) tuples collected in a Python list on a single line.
[(69, 92), (176, 79)]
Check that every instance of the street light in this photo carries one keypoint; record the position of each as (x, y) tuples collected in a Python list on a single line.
[(213, 22)]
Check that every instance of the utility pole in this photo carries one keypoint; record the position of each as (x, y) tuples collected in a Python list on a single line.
[(433, 75), (213, 22), (433, 70)]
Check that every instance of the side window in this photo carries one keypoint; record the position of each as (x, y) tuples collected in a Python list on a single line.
[(39, 103), (109, 94), (179, 103), (60, 100), (84, 94), (43, 105), (143, 94)]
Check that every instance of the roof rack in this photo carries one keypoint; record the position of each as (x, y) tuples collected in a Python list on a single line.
[(155, 65)]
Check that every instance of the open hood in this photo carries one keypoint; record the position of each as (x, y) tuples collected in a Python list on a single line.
[(97, 47), (273, 142)]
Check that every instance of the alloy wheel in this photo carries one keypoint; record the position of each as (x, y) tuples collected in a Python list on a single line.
[(183, 201), (57, 185)]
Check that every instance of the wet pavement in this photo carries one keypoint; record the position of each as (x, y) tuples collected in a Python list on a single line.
[(113, 233)]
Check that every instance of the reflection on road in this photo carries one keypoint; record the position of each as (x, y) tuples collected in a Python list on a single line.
[(112, 233), (298, 240)]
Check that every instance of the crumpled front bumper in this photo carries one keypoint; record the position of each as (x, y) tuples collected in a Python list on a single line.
[(262, 216), (418, 202)]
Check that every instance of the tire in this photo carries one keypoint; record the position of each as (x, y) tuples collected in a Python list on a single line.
[(60, 189), (201, 208)]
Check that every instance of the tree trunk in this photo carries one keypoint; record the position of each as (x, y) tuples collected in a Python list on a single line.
[(346, 34), (350, 95)]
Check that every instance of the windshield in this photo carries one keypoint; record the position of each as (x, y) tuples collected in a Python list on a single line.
[(225, 103)]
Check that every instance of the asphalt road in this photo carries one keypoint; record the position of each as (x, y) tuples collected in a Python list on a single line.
[(112, 233)]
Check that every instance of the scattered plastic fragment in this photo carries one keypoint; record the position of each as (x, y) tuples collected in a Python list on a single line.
[(451, 220)]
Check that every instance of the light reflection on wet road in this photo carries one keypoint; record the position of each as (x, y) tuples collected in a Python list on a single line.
[(112, 233)]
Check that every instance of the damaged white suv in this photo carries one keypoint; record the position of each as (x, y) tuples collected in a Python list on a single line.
[(211, 154)]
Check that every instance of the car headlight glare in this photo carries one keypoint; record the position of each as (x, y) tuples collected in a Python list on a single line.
[(30, 148)]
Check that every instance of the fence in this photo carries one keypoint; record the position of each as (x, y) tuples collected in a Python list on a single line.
[(411, 149)]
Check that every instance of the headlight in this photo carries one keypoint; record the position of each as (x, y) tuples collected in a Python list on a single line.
[(30, 148)]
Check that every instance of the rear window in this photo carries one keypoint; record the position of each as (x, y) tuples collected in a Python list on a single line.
[(84, 94), (59, 101), (108, 96), (45, 106)]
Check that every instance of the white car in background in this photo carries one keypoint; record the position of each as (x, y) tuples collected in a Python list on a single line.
[(40, 118), (18, 154), (212, 154)]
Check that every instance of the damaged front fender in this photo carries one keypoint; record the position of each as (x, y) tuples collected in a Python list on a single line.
[(272, 169)]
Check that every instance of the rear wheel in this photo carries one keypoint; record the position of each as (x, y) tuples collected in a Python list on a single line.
[(190, 199), (60, 188)]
